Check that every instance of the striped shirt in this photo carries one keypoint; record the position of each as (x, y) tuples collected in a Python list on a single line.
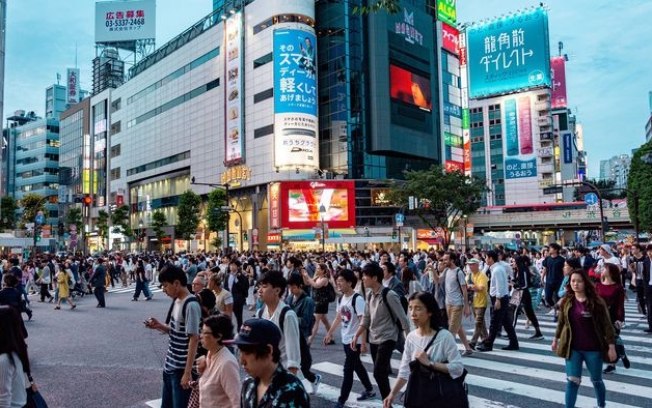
[(181, 328)]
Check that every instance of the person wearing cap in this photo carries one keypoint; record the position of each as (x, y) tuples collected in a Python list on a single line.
[(478, 285), (269, 383), (606, 256)]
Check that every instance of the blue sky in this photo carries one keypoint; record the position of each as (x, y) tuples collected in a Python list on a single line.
[(608, 76)]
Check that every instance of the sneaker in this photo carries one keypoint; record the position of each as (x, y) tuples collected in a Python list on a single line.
[(366, 395), (511, 347), (472, 345), (134, 300), (626, 362), (315, 385), (610, 369), (466, 353), (537, 336), (483, 347)]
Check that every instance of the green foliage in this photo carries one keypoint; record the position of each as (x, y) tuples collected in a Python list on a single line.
[(444, 198), (188, 215), (8, 207), (74, 216), (390, 6), (158, 223), (31, 204), (607, 189), (120, 222), (639, 188), (217, 218), (103, 225)]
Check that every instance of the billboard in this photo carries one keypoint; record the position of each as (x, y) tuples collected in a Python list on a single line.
[(233, 137), (295, 98), (118, 21), (408, 87), (447, 11), (508, 54), (450, 39), (520, 161), (72, 86), (301, 202), (558, 66), (567, 138)]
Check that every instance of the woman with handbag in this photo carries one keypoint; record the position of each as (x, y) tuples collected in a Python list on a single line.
[(14, 363), (611, 290), (584, 335), (429, 349)]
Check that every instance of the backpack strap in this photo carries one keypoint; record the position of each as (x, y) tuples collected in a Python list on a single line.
[(356, 295), (281, 318), (431, 341), (190, 298), (383, 293)]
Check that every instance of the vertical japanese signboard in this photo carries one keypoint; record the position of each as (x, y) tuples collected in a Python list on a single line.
[(447, 11), (450, 39), (567, 138), (558, 65), (295, 98), (233, 137), (509, 54), (72, 86), (520, 161)]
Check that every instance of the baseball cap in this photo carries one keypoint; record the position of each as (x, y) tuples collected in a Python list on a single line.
[(256, 332), (606, 247), (473, 261)]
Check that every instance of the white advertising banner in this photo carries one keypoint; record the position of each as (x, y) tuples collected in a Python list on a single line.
[(72, 86), (117, 21), (233, 137)]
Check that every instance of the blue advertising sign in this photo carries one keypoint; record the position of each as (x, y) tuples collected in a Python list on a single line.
[(295, 72), (511, 127), (591, 198), (399, 218), (515, 168), (509, 53), (40, 218), (568, 147)]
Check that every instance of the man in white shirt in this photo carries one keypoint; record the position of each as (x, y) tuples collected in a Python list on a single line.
[(501, 315)]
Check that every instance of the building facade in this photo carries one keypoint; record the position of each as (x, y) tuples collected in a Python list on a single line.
[(616, 169)]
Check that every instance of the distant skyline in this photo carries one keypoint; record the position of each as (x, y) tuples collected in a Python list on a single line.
[(608, 75)]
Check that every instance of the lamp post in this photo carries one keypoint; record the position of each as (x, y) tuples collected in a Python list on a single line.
[(140, 235), (226, 189), (230, 209), (322, 211)]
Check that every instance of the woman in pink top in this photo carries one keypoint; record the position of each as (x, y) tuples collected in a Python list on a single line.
[(611, 290), (219, 384)]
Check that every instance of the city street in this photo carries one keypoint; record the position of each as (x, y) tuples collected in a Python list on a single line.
[(97, 358)]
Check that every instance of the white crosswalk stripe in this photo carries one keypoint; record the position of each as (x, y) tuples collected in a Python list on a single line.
[(153, 288)]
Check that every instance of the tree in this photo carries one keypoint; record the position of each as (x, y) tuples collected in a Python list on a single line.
[(639, 188), (188, 215), (31, 204), (607, 189), (120, 222), (8, 207), (103, 226), (217, 218), (74, 217), (443, 199), (390, 6), (159, 221)]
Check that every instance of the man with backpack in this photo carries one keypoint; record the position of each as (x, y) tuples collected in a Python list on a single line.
[(457, 304), (183, 326), (381, 324)]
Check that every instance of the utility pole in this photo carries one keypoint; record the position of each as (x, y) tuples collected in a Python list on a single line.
[(226, 189), (597, 192)]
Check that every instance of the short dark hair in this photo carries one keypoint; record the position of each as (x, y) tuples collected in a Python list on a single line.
[(391, 268), (493, 255), (207, 298), (295, 279), (220, 325), (171, 273), (10, 280), (555, 246), (574, 263), (373, 270), (349, 276), (261, 351), (431, 305), (275, 279), (294, 261)]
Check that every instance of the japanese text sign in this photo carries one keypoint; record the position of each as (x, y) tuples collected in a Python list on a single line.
[(558, 65), (447, 11), (117, 21)]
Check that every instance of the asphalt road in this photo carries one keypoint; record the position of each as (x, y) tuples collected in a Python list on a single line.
[(95, 358)]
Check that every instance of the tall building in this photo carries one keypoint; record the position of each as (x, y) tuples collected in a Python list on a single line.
[(55, 101), (616, 169), (3, 144), (648, 125)]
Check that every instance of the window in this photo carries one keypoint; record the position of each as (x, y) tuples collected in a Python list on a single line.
[(266, 94), (263, 131), (259, 62), (115, 151), (116, 127), (116, 105), (115, 173), (159, 163)]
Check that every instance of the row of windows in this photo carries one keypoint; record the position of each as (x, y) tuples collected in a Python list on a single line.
[(174, 102), (266, 94), (39, 186), (115, 173), (35, 173), (34, 159), (494, 107), (40, 143), (283, 18), (265, 59), (174, 75), (158, 163), (115, 151), (476, 110), (264, 131)]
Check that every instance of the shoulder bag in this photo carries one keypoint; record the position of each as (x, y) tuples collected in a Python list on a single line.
[(429, 388)]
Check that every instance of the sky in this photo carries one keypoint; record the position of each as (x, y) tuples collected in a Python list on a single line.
[(609, 45)]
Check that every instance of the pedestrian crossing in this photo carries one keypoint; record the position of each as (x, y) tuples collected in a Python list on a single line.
[(153, 288), (530, 377)]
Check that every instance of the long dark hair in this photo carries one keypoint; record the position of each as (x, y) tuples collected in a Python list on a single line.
[(11, 336), (431, 305), (592, 297)]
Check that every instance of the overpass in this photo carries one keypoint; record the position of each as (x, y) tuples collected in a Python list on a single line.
[(577, 219)]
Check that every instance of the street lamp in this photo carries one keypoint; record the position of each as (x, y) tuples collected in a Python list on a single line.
[(140, 235), (231, 209), (226, 189), (322, 211)]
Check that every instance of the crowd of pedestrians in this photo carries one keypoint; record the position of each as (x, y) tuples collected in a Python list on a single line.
[(263, 312)]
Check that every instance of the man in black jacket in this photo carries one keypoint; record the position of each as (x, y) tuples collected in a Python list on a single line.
[(238, 284), (98, 282)]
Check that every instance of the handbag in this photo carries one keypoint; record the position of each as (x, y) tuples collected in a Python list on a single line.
[(193, 402), (35, 399), (515, 299), (429, 388)]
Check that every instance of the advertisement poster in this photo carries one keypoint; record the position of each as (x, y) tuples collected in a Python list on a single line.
[(72, 86), (233, 137), (295, 99), (447, 11), (306, 203), (408, 87), (450, 39), (520, 162), (118, 21), (509, 54), (568, 147), (558, 65)]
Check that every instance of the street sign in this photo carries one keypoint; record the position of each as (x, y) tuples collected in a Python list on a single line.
[(399, 219), (591, 198), (40, 218)]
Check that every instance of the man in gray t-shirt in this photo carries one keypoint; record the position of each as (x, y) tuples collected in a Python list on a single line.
[(456, 299)]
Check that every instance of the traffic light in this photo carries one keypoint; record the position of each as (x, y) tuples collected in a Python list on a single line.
[(244, 236), (605, 224), (394, 234), (88, 200), (60, 229), (37, 233)]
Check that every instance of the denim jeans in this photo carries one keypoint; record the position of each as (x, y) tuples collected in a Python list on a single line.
[(173, 395), (382, 356), (352, 363), (593, 360)]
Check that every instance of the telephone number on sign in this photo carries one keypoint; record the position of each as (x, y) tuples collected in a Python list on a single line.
[(125, 22)]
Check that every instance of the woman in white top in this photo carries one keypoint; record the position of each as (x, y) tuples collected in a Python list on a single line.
[(424, 313), (13, 360)]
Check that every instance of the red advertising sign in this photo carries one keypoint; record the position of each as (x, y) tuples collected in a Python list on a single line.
[(409, 87), (558, 66), (467, 155), (273, 238), (450, 39), (525, 124), (119, 200), (275, 205), (451, 166), (305, 203)]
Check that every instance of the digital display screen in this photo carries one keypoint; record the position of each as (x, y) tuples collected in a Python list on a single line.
[(304, 204), (410, 88)]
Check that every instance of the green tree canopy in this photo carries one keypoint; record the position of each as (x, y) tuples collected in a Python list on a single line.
[(217, 218), (188, 215), (390, 6), (103, 226), (8, 207), (158, 223), (31, 204), (120, 222), (443, 198), (639, 187), (74, 217)]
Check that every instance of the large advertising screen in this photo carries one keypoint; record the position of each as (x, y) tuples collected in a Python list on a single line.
[(295, 98), (508, 54), (520, 161), (118, 21), (233, 137), (558, 99), (408, 87), (306, 203)]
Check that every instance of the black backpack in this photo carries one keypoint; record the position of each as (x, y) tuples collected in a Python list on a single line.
[(189, 299), (355, 297)]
